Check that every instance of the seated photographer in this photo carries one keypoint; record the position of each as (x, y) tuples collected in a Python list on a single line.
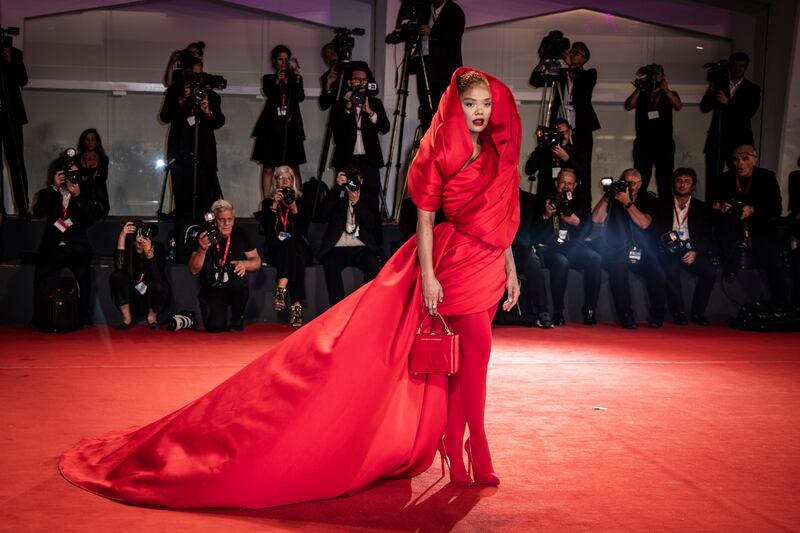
[(564, 220), (654, 146), (684, 228), (750, 200), (64, 243), (357, 121), (627, 215), (93, 166), (529, 262), (349, 238), (286, 246), (552, 153), (138, 283), (224, 255)]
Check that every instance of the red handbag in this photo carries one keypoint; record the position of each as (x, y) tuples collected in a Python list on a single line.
[(435, 353)]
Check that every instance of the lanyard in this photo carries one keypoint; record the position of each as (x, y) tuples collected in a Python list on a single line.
[(739, 186), (284, 217), (283, 88), (681, 223), (225, 256), (65, 198), (654, 101), (351, 215)]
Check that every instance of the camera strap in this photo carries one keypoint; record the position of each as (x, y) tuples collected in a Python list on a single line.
[(681, 223), (225, 255), (744, 193)]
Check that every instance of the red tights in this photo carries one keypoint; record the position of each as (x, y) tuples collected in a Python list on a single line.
[(467, 391)]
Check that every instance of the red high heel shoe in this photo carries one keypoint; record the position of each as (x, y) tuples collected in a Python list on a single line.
[(491, 479), (456, 479)]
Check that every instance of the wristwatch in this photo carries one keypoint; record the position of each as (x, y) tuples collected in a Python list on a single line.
[(628, 205)]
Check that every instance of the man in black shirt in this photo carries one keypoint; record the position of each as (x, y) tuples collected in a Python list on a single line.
[(627, 246), (654, 145), (329, 80), (687, 219), (184, 113), (564, 221), (546, 163), (733, 107), (64, 242), (350, 237), (222, 268), (750, 199), (529, 262), (12, 118)]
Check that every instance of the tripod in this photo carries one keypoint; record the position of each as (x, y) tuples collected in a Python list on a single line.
[(551, 88), (413, 47)]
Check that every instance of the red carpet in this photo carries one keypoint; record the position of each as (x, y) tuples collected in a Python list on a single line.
[(700, 432)]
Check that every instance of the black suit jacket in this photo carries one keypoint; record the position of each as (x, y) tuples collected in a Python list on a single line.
[(343, 125), (700, 223), (540, 163), (272, 97), (445, 39), (335, 209), (761, 191), (80, 211), (180, 140), (582, 89), (734, 117), (17, 77)]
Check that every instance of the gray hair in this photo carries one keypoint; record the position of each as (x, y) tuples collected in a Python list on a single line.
[(221, 205)]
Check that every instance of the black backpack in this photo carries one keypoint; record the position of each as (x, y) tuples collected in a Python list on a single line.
[(58, 305), (763, 316)]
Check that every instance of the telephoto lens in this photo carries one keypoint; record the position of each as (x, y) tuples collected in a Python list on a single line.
[(289, 195), (183, 320)]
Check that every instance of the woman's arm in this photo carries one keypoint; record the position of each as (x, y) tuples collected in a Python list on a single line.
[(512, 283), (432, 293)]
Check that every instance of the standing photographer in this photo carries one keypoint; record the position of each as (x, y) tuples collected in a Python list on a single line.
[(654, 102), (750, 199), (92, 164), (627, 215), (188, 106), (223, 256), (573, 98), (329, 79), (684, 227), (554, 154), (734, 101), (138, 283), (286, 246), (564, 221), (12, 118), (350, 237), (64, 243), (357, 122), (279, 129)]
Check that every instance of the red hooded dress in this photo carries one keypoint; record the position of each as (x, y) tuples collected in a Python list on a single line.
[(333, 407)]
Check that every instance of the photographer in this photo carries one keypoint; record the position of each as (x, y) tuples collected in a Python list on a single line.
[(12, 118), (576, 85), (184, 112), (627, 215), (684, 227), (358, 120), (530, 263), (64, 243), (563, 221), (138, 283), (178, 60), (93, 166), (734, 101), (553, 155), (286, 246), (222, 266), (279, 129), (350, 237), (750, 199), (328, 81), (654, 146)]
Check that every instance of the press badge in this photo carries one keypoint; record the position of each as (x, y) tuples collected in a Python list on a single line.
[(282, 110), (224, 277), (141, 287), (634, 254), (62, 225), (556, 170), (282, 236), (680, 233), (563, 235), (652, 115), (191, 120)]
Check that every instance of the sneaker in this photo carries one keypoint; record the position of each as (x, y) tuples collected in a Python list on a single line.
[(558, 319), (543, 320), (296, 316)]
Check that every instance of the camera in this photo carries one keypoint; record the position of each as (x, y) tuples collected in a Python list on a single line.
[(145, 229), (202, 82), (553, 46), (563, 203), (718, 75), (359, 95), (289, 196), (612, 186), (66, 162), (344, 43), (549, 138), (409, 20), (737, 208), (182, 320), (6, 41), (193, 232), (645, 80), (671, 243), (352, 184)]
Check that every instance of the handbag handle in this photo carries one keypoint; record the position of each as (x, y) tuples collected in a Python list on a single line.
[(448, 330)]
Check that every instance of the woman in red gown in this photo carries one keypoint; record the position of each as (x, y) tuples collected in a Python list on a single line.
[(333, 407)]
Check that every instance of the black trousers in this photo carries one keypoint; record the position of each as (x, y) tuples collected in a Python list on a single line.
[(577, 256), (531, 265), (715, 166), (340, 257), (290, 263), (766, 253), (659, 154), (706, 276), (796, 277), (77, 258), (123, 292), (583, 144), (13, 146), (208, 189), (616, 263), (214, 302)]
